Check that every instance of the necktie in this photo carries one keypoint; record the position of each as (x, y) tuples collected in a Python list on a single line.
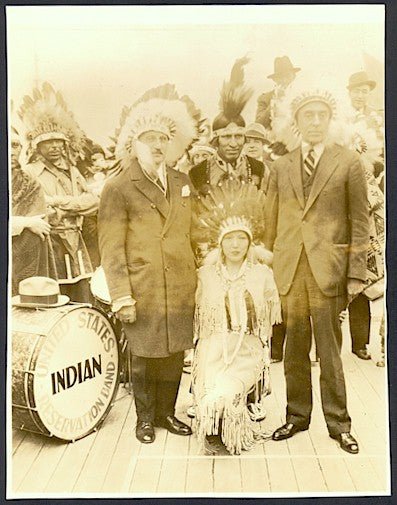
[(159, 183), (309, 164)]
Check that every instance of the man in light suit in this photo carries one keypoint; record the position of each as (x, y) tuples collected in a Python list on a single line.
[(144, 238), (318, 231)]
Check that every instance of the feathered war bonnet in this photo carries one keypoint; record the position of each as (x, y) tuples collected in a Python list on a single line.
[(233, 98), (45, 116), (160, 109), (343, 128), (232, 206), (299, 94)]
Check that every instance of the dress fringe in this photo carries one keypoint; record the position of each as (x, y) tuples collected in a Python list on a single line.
[(237, 431)]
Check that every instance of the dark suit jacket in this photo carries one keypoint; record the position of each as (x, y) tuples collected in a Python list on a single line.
[(332, 226), (146, 253), (263, 109)]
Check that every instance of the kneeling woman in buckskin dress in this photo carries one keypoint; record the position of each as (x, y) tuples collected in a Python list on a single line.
[(236, 305)]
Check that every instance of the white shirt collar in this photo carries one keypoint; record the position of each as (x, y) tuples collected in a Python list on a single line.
[(162, 174), (317, 148)]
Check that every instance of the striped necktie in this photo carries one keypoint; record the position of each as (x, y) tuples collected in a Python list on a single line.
[(309, 163)]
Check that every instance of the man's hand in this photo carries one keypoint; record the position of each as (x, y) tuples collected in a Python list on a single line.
[(354, 288), (127, 314), (39, 226)]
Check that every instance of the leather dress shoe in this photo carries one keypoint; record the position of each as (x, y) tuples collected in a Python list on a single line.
[(287, 431), (173, 425), (144, 432), (347, 442), (362, 354)]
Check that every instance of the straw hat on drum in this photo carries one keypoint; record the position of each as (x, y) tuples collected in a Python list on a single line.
[(41, 292)]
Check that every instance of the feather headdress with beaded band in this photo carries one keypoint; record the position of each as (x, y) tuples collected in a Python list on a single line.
[(45, 116), (160, 109), (233, 206), (234, 97), (344, 129), (284, 125)]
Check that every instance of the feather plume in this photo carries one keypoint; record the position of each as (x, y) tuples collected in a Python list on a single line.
[(234, 93)]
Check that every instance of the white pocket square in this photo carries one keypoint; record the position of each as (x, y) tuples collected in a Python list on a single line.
[(186, 190)]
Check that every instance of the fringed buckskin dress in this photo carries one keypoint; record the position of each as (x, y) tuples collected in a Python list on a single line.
[(233, 324)]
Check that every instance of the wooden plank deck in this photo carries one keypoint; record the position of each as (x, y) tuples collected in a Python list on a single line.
[(111, 462)]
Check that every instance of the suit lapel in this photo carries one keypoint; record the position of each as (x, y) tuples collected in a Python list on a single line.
[(149, 189), (326, 166), (295, 175)]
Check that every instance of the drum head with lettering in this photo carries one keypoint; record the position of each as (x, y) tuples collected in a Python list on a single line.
[(76, 373)]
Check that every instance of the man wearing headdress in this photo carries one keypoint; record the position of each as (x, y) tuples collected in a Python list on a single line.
[(144, 238), (55, 140), (229, 161), (317, 227), (32, 253)]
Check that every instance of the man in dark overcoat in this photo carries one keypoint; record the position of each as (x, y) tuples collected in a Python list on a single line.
[(318, 231), (144, 236)]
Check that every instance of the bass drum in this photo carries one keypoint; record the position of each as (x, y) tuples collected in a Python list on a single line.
[(65, 370)]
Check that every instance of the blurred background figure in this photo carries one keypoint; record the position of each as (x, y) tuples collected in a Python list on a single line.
[(29, 227), (200, 152), (283, 75), (255, 142), (360, 87), (367, 125)]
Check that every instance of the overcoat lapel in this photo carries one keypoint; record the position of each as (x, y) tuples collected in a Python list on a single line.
[(175, 194), (295, 175), (325, 168), (149, 189)]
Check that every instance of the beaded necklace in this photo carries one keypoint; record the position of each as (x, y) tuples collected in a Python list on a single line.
[(239, 284)]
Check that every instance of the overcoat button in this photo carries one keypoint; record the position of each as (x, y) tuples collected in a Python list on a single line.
[(184, 204), (152, 205), (166, 269)]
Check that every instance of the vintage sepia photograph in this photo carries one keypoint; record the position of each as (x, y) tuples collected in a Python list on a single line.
[(196, 252)]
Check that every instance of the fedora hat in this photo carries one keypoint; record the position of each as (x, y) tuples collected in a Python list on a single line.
[(282, 66), (39, 292), (256, 131), (359, 79)]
